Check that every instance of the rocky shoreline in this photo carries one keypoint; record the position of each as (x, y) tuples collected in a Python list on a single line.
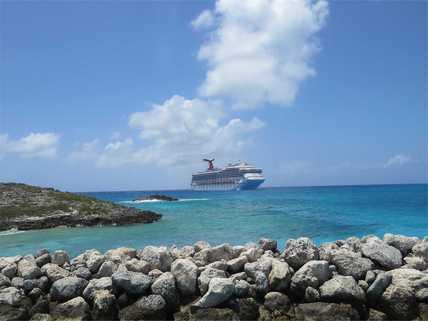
[(27, 207), (353, 279)]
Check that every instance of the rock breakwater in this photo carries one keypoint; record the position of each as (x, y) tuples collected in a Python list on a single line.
[(353, 279)]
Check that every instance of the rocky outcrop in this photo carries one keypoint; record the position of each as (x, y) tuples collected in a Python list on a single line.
[(156, 197), (349, 279), (27, 207)]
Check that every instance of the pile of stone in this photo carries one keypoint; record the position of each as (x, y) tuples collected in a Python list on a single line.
[(352, 279)]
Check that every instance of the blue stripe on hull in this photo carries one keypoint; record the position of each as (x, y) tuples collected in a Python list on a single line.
[(251, 184)]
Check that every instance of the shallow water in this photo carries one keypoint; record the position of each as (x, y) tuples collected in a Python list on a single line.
[(322, 213)]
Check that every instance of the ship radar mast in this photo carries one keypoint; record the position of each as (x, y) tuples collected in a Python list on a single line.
[(210, 163)]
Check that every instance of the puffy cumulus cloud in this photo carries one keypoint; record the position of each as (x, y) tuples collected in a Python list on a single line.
[(260, 51), (34, 145), (398, 160), (178, 132)]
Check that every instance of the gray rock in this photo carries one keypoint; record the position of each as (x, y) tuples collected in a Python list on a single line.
[(67, 288), (268, 244), (353, 243), (200, 245), (421, 249), (311, 294), (242, 288), (122, 252), (150, 307), (313, 274), (383, 254), (83, 272), (213, 254), (158, 257), (136, 265), (17, 282), (219, 291), (342, 289), (375, 315), (12, 296), (322, 311), (94, 261), (154, 274), (401, 242), (237, 265), (4, 281), (376, 289), (131, 282), (219, 265), (104, 306), (43, 259), (363, 284), (28, 269), (263, 265), (350, 263), (34, 294), (41, 306), (280, 276), (10, 313), (165, 286), (107, 269), (416, 262), (300, 251), (327, 250), (60, 258), (186, 275), (41, 317), (261, 283), (95, 285), (44, 284), (54, 272), (277, 301), (28, 285), (10, 270), (370, 277), (422, 295), (248, 309), (206, 276), (76, 308)]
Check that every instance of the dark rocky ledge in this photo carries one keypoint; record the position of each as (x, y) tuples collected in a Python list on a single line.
[(27, 207), (159, 197), (352, 279)]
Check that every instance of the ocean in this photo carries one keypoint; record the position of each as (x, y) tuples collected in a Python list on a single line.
[(321, 213)]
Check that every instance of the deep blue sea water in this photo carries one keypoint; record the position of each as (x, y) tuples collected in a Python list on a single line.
[(322, 213)]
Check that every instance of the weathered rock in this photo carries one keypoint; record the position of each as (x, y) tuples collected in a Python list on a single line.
[(4, 281), (60, 258), (76, 308), (107, 269), (421, 249), (401, 242), (54, 272), (298, 252), (41, 317), (313, 274), (376, 289), (165, 286), (416, 262), (131, 282), (150, 307), (14, 297), (154, 274), (370, 277), (237, 265), (242, 288), (353, 243), (212, 314), (121, 252), (67, 288), (261, 283), (28, 269), (10, 313), (219, 291), (263, 265), (158, 257), (206, 276), (219, 265), (17, 282), (186, 275), (422, 295), (326, 251), (43, 259), (10, 270), (277, 301), (311, 294), (350, 263), (322, 311), (213, 254), (104, 306), (41, 306), (375, 315), (200, 245), (423, 311), (383, 254), (34, 294), (136, 265), (248, 309), (95, 285), (342, 289), (280, 276), (268, 244), (83, 272), (94, 261)]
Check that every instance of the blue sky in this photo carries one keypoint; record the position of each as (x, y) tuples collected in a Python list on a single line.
[(131, 95)]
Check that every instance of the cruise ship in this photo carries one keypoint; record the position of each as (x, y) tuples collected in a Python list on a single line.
[(239, 176)]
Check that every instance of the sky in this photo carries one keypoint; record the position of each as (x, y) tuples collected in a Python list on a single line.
[(132, 95)]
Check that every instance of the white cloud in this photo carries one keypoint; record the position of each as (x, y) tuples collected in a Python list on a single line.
[(398, 160), (204, 20), (261, 50), (34, 145), (178, 132)]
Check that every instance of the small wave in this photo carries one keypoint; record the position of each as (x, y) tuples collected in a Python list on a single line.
[(12, 231), (156, 201), (192, 199)]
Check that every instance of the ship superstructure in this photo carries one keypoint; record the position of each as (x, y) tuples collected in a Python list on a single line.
[(238, 176)]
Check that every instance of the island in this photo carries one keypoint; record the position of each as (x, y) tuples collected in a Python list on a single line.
[(156, 197), (27, 207)]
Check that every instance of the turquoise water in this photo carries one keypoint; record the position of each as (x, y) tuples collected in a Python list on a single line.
[(322, 213)]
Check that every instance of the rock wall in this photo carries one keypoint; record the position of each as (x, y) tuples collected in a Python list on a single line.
[(352, 279)]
